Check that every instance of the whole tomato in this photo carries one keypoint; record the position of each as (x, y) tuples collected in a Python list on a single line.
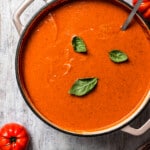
[(13, 136), (144, 8)]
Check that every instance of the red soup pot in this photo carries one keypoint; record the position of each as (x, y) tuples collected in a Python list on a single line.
[(24, 32)]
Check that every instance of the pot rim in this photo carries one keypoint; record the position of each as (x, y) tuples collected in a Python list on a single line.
[(38, 114)]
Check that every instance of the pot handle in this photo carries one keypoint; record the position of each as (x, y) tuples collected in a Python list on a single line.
[(137, 132), (16, 17)]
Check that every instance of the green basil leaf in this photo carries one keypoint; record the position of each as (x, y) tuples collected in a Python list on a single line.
[(118, 56), (83, 86), (78, 45)]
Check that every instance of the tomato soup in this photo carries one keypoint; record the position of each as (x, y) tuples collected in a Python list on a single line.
[(50, 65)]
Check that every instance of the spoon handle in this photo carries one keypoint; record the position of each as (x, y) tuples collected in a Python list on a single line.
[(131, 15)]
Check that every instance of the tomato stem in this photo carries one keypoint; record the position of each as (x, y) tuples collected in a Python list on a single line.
[(13, 139)]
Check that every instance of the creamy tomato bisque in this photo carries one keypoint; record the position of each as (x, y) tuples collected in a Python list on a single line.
[(50, 65)]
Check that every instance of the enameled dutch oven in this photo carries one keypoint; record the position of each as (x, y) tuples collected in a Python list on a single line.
[(24, 32)]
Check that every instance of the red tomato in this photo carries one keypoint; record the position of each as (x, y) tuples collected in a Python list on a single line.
[(13, 137), (144, 8)]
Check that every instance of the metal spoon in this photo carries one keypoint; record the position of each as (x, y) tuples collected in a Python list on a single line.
[(131, 15)]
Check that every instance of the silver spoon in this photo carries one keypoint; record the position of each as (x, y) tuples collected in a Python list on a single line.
[(131, 15)]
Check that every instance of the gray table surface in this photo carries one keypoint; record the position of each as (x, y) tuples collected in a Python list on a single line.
[(14, 109)]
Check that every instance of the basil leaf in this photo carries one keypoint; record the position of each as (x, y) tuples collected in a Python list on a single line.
[(83, 86), (78, 45), (118, 56)]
